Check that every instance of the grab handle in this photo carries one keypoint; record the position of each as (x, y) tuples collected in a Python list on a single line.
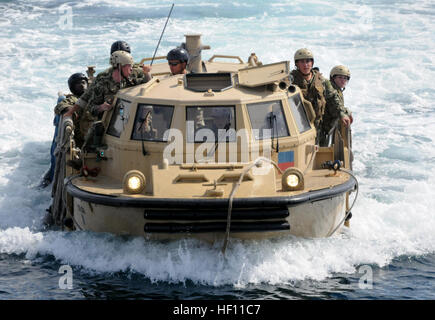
[(225, 56)]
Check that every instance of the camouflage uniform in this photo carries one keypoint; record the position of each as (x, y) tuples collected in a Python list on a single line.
[(82, 119), (104, 88), (313, 91), (335, 109), (137, 74)]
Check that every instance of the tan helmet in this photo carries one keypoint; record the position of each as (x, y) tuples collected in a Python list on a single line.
[(339, 70), (121, 57), (303, 53)]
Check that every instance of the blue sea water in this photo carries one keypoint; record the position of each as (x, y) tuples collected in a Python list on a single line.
[(389, 47)]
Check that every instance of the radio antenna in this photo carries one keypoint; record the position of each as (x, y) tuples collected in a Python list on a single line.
[(163, 31)]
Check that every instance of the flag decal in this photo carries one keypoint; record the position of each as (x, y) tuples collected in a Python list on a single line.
[(286, 159)]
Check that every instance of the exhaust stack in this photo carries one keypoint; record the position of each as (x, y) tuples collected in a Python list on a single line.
[(194, 47)]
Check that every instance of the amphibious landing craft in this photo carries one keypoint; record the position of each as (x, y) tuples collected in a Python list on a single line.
[(226, 150)]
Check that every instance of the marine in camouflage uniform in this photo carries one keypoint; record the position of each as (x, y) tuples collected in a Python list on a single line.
[(335, 109), (311, 83), (82, 119), (104, 87), (313, 91), (137, 72), (77, 84)]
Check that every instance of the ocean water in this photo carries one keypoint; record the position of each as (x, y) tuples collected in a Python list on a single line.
[(389, 251)]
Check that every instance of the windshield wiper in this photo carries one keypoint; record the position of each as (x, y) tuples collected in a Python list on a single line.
[(142, 121), (226, 128), (273, 124)]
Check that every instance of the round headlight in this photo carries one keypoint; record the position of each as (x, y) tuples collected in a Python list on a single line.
[(292, 180), (134, 182)]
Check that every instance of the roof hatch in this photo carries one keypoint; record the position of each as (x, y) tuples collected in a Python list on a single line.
[(202, 82)]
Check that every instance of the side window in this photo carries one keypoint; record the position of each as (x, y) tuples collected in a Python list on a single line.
[(217, 122), (151, 122), (120, 116), (299, 113), (268, 120)]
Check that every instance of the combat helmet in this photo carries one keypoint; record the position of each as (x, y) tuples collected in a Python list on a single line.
[(73, 79), (120, 46), (339, 70), (303, 53), (120, 58), (178, 54)]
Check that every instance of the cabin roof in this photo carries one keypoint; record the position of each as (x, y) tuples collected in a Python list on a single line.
[(171, 89)]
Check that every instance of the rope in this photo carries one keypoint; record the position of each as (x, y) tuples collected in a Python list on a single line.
[(239, 182), (354, 200), (59, 195), (57, 192), (233, 192), (59, 174), (64, 197)]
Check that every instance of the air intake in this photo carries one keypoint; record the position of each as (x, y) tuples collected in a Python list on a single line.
[(202, 82)]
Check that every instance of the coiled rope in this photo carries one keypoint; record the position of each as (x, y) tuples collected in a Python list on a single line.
[(59, 206)]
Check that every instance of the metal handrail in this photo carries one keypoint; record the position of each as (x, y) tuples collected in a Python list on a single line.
[(225, 56), (149, 59)]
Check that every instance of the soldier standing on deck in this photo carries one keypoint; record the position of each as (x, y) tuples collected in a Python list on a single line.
[(335, 109), (99, 96), (77, 84), (138, 72), (311, 82)]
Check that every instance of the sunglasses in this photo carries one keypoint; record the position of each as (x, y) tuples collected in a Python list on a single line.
[(174, 63)]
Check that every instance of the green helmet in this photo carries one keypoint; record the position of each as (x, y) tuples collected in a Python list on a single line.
[(303, 53), (121, 57), (339, 70)]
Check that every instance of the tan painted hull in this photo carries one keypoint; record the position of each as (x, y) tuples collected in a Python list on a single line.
[(310, 220), (317, 219)]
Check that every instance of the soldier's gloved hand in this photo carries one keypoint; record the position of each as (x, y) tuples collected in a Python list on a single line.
[(70, 110), (346, 121), (104, 107), (146, 69)]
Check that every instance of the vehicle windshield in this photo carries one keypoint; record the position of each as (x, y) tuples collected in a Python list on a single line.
[(267, 120), (151, 122), (215, 123), (299, 113), (120, 116)]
